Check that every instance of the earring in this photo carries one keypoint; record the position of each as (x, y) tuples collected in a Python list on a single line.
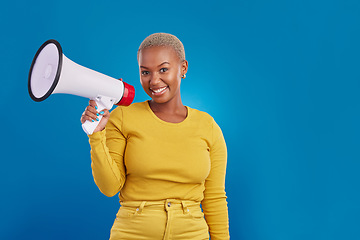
[(183, 76)]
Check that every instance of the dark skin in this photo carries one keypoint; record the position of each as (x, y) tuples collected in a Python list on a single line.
[(160, 76), (160, 68)]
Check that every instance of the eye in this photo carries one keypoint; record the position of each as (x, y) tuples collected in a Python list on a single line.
[(144, 73), (162, 70)]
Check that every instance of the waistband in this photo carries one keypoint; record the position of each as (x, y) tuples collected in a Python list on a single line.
[(168, 204)]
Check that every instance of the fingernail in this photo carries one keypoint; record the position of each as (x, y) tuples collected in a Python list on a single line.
[(102, 112), (95, 107), (97, 119), (97, 114), (92, 120)]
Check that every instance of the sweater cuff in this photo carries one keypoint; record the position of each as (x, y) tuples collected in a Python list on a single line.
[(97, 137)]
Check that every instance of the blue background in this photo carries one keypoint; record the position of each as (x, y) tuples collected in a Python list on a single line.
[(281, 78)]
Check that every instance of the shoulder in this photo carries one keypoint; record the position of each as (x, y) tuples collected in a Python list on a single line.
[(127, 114), (206, 121), (124, 116), (201, 116), (132, 109)]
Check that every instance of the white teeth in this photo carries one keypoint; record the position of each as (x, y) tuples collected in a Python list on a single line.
[(158, 90)]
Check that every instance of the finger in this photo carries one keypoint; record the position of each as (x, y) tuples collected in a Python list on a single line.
[(90, 109), (85, 118), (82, 119), (93, 104), (92, 116), (82, 116), (104, 112)]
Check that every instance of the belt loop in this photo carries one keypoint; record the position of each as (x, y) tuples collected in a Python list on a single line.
[(139, 209), (185, 208)]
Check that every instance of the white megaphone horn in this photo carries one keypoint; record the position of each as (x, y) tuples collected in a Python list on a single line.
[(51, 72)]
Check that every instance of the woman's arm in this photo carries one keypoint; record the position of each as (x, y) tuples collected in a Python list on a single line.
[(107, 152), (214, 204)]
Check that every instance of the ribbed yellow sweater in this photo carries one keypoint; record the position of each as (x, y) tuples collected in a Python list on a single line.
[(146, 158)]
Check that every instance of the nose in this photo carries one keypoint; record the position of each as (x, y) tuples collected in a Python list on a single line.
[(155, 79)]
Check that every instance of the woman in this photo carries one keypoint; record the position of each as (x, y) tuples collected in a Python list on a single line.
[(164, 158)]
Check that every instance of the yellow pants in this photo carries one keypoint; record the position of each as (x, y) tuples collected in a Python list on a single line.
[(160, 220)]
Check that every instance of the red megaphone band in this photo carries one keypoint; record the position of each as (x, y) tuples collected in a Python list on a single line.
[(128, 96)]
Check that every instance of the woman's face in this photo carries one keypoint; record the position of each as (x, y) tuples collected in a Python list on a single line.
[(160, 73)]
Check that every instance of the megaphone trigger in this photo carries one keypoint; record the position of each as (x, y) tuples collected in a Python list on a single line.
[(104, 102)]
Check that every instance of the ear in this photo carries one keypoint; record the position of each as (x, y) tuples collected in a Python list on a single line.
[(184, 67)]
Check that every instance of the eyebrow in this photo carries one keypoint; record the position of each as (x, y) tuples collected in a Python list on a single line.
[(158, 66)]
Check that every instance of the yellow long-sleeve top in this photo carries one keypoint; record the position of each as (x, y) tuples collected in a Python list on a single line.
[(146, 158)]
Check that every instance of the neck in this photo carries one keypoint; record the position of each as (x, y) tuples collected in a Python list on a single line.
[(174, 106)]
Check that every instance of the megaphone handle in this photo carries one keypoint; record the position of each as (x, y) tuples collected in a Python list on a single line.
[(88, 126)]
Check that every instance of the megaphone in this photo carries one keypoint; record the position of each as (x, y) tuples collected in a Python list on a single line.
[(51, 72)]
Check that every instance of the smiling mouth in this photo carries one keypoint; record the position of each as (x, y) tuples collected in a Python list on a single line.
[(158, 91)]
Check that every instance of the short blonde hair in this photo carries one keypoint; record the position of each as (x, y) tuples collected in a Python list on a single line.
[(166, 40)]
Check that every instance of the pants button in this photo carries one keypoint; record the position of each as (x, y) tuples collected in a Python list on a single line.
[(169, 204)]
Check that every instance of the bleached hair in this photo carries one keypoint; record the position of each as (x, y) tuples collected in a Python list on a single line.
[(164, 39)]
